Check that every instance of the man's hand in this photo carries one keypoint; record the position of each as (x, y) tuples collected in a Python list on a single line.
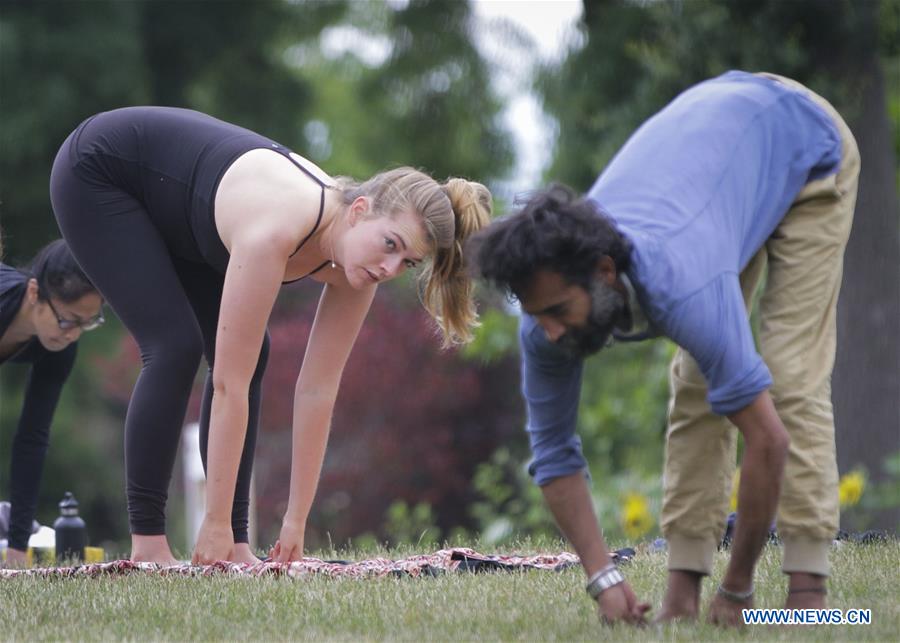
[(766, 445), (570, 501), (726, 613), (620, 604), (214, 542), (289, 546)]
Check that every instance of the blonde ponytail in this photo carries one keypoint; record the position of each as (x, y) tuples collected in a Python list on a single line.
[(445, 287)]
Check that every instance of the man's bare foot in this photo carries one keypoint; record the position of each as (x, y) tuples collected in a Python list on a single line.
[(243, 554), (682, 599), (16, 559), (805, 591), (152, 549)]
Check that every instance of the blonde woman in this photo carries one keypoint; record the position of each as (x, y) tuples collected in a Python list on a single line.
[(188, 226)]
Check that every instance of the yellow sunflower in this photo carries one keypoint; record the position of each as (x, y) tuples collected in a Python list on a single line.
[(851, 487), (636, 517)]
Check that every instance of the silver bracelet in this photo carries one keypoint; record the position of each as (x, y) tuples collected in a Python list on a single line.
[(601, 581), (735, 597)]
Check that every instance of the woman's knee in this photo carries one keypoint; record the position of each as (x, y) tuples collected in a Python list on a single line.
[(179, 349)]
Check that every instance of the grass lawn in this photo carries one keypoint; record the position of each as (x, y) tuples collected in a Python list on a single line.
[(532, 606)]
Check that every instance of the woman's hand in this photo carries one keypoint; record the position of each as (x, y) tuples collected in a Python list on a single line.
[(289, 546), (214, 542), (16, 559)]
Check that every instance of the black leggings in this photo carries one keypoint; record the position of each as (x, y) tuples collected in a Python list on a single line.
[(171, 307)]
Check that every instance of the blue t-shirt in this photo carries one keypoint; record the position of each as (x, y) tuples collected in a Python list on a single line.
[(697, 189)]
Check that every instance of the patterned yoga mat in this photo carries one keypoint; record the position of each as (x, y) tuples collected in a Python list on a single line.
[(445, 560)]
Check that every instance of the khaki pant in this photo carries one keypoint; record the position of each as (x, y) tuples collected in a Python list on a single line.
[(797, 341)]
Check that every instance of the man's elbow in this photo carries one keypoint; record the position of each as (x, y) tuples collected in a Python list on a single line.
[(775, 445), (781, 443)]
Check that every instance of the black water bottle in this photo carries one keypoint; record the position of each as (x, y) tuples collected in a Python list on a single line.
[(71, 534)]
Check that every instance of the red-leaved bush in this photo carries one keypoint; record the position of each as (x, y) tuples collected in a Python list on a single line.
[(411, 422)]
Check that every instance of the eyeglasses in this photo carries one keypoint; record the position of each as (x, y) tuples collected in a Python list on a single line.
[(69, 324)]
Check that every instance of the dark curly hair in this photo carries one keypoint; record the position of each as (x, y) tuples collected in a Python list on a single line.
[(555, 230)]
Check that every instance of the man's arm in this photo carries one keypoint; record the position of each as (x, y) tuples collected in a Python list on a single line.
[(551, 384), (569, 499), (713, 327), (570, 502), (765, 452)]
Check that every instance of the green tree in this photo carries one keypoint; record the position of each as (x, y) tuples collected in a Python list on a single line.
[(60, 62), (435, 88), (395, 90), (50, 80)]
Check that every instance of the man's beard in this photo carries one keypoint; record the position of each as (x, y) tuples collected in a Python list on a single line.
[(607, 307)]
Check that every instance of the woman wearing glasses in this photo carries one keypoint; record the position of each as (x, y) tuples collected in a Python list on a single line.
[(188, 226), (43, 311)]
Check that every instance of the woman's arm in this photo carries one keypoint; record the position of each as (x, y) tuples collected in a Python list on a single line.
[(48, 374), (252, 281), (338, 320)]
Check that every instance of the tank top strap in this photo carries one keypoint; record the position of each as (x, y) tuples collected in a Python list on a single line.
[(312, 172), (295, 159), (318, 221), (310, 273)]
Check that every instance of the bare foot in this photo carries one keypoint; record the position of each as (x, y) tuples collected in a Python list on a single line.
[(152, 549), (243, 554), (682, 599), (669, 613)]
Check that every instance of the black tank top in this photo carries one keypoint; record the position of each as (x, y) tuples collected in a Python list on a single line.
[(171, 161)]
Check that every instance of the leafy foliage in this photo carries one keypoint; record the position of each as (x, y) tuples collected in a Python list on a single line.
[(636, 56)]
